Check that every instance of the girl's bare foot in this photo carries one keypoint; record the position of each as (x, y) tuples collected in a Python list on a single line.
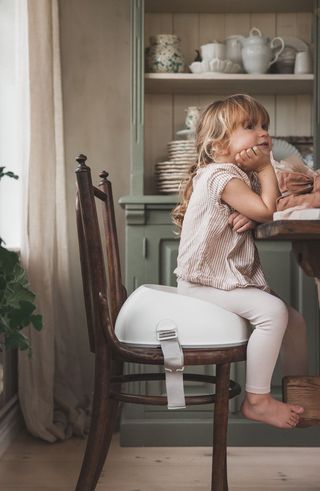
[(263, 408)]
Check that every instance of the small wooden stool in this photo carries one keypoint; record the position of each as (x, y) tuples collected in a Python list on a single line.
[(304, 391)]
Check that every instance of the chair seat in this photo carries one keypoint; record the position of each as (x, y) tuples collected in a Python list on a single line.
[(200, 324)]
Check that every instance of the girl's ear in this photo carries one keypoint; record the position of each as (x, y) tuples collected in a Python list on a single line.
[(222, 148)]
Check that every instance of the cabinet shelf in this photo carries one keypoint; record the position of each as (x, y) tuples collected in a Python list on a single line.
[(235, 6), (221, 83)]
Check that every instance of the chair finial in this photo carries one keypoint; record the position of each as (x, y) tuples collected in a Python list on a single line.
[(81, 159), (103, 176)]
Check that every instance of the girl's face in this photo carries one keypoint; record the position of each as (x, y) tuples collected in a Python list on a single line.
[(248, 135)]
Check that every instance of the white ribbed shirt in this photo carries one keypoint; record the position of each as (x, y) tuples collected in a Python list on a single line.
[(210, 252)]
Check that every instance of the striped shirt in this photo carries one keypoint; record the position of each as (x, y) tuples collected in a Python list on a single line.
[(210, 252)]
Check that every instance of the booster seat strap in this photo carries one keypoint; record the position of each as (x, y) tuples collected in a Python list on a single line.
[(167, 335)]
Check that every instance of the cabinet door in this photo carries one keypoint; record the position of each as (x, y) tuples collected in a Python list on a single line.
[(136, 250), (162, 252), (151, 255)]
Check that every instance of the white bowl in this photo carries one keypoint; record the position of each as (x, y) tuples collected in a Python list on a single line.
[(199, 67), (223, 66), (196, 67), (216, 65)]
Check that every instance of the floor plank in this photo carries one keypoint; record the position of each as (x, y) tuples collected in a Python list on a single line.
[(33, 465)]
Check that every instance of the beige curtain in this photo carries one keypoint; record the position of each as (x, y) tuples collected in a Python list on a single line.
[(51, 390)]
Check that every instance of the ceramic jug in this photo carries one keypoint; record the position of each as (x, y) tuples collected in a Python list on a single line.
[(164, 55), (258, 52), (192, 117), (234, 48)]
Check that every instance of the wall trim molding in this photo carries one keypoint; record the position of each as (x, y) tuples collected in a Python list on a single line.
[(174, 432)]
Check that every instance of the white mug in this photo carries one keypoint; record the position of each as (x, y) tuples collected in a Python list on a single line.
[(213, 50), (303, 63)]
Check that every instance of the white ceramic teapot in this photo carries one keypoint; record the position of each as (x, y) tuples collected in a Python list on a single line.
[(258, 52)]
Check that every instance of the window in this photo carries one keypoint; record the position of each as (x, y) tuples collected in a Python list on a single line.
[(13, 153), (13, 131)]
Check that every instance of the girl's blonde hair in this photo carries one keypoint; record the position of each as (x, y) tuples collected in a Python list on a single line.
[(215, 125)]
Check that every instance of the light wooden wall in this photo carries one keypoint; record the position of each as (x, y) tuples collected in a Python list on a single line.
[(165, 113), (96, 97)]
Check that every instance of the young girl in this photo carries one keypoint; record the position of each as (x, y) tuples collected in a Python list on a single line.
[(232, 186)]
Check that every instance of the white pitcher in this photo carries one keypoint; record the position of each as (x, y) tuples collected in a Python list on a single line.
[(234, 48), (258, 52)]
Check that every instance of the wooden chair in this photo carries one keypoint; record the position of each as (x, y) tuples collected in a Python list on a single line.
[(104, 295)]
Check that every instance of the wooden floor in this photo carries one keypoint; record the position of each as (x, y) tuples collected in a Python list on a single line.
[(33, 465)]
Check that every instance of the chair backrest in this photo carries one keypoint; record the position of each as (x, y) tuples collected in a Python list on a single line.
[(96, 278), (117, 293)]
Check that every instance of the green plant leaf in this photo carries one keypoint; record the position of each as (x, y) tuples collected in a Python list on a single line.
[(16, 299), (8, 174), (4, 323), (17, 340), (8, 261), (21, 317), (36, 321), (15, 294), (20, 275)]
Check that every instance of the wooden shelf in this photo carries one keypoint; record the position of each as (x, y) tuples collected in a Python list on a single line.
[(235, 6), (221, 83)]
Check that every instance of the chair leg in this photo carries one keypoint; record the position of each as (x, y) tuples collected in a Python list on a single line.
[(221, 411), (104, 414)]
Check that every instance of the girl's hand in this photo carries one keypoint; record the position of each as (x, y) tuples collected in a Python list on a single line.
[(253, 159), (240, 223)]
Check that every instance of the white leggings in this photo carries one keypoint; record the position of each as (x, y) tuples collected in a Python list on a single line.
[(270, 318)]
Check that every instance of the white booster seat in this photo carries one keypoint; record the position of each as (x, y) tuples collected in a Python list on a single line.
[(155, 315)]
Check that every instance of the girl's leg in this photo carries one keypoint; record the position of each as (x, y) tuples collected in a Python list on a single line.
[(294, 353), (269, 316)]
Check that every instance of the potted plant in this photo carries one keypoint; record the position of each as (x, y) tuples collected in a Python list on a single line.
[(17, 308)]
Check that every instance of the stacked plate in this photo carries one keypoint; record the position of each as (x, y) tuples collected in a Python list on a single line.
[(182, 149), (170, 174)]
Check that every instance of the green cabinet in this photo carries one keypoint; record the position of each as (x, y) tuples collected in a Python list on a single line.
[(151, 241), (151, 253)]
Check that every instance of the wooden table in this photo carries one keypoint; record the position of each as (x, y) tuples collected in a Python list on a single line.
[(305, 238)]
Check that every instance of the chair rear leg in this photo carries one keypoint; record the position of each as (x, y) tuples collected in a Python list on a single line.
[(104, 413), (221, 411), (117, 369)]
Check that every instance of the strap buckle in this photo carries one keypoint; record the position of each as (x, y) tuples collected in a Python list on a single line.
[(166, 333), (173, 370)]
